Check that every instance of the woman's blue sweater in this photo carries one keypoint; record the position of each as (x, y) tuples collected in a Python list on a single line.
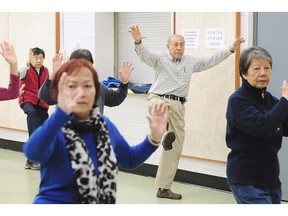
[(47, 147)]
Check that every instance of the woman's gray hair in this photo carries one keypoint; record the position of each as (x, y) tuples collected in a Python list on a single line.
[(250, 54)]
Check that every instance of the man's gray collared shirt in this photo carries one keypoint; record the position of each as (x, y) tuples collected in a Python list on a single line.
[(173, 77)]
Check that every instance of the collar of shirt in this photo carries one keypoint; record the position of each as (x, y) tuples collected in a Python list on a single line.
[(175, 60)]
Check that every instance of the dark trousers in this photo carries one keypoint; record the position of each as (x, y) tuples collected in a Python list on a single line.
[(36, 115)]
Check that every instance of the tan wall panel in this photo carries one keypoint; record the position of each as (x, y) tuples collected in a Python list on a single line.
[(25, 31), (209, 90)]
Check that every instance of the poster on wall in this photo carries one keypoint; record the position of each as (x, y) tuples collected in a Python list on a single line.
[(191, 37), (215, 38)]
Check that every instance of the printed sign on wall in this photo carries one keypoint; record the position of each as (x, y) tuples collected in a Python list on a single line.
[(191, 37), (215, 38)]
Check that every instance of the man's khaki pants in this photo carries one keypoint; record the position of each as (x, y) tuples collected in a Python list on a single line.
[(170, 159)]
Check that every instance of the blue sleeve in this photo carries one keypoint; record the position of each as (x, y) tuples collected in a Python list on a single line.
[(40, 143), (129, 157)]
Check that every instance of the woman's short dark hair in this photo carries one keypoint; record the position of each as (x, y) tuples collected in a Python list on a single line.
[(82, 53), (69, 67), (250, 54)]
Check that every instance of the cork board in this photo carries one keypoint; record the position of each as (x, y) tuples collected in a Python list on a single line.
[(209, 90)]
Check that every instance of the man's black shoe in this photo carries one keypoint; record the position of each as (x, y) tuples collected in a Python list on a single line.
[(168, 139)]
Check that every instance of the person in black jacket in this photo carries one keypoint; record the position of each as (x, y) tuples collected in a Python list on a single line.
[(108, 96), (256, 124)]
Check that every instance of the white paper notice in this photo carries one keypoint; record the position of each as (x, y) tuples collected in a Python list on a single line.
[(215, 38), (191, 37)]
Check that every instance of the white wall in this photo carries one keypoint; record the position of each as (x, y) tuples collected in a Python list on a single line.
[(92, 31)]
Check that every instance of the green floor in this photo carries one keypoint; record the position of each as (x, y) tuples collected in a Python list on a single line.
[(19, 186)]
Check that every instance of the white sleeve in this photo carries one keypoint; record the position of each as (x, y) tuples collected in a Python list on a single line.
[(23, 70)]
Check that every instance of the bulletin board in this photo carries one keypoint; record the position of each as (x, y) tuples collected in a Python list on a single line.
[(205, 122)]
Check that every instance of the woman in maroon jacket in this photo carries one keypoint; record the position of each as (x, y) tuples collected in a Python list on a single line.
[(10, 56)]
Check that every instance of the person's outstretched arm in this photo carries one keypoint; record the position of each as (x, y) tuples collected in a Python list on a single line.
[(136, 34), (10, 56), (114, 97), (236, 44), (130, 156), (44, 92)]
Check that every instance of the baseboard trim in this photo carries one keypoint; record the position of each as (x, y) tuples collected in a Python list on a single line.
[(11, 145), (184, 176)]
